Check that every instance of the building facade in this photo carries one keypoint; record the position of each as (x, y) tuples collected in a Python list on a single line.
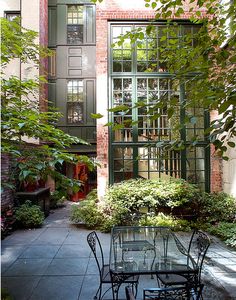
[(87, 75)]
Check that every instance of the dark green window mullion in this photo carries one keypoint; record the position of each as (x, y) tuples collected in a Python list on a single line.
[(207, 168), (135, 162), (111, 163), (134, 110), (207, 151), (183, 130), (110, 133)]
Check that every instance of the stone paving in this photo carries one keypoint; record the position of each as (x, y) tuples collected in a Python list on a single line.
[(54, 262)]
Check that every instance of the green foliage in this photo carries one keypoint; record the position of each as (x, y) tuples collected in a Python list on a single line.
[(29, 215), (5, 294), (135, 193), (87, 212), (58, 198), (226, 231), (19, 42), (123, 204), (217, 207), (165, 220), (22, 118)]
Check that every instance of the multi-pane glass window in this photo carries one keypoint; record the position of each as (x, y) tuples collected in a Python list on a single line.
[(10, 16), (75, 24), (75, 102), (196, 166), (141, 83), (153, 163), (122, 55)]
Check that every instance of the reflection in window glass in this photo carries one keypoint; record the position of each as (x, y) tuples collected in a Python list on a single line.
[(196, 166), (154, 164), (74, 24), (122, 54), (75, 102), (123, 163), (140, 81), (10, 16)]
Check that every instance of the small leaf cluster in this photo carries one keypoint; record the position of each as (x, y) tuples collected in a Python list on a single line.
[(29, 215), (87, 212), (226, 231)]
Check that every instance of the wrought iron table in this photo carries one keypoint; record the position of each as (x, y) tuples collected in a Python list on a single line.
[(137, 250)]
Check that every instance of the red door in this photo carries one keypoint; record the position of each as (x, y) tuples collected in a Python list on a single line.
[(81, 173)]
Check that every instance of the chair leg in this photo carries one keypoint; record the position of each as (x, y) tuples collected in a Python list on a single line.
[(134, 287), (99, 291)]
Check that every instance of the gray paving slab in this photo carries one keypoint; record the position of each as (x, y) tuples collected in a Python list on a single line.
[(28, 267), (54, 262), (22, 237), (68, 266), (73, 250), (9, 254), (40, 251), (20, 287), (57, 287), (52, 236)]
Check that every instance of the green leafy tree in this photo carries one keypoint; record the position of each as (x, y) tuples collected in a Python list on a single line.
[(22, 118), (206, 68)]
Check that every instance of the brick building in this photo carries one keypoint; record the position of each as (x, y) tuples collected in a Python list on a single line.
[(87, 75)]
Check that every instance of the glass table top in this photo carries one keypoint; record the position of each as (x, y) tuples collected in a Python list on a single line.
[(145, 249)]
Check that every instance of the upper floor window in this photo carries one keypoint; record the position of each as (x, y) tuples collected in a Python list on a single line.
[(147, 55), (75, 102), (11, 15), (75, 24)]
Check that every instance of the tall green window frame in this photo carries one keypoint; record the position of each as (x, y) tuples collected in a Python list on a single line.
[(75, 24), (75, 101), (139, 74)]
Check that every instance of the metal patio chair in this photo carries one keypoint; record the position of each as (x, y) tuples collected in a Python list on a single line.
[(198, 246), (167, 293), (104, 269)]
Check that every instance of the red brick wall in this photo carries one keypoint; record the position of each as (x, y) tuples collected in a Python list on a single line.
[(216, 177), (216, 172), (7, 197)]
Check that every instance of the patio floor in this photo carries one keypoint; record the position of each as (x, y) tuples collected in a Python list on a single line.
[(54, 262)]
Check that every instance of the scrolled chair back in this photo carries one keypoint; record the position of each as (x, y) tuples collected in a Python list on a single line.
[(96, 247), (173, 293), (198, 248)]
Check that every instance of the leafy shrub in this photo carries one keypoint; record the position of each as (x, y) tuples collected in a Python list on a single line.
[(226, 231), (29, 215), (7, 221), (170, 194), (217, 207), (57, 198), (87, 212), (165, 220), (5, 294), (167, 201), (123, 201)]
